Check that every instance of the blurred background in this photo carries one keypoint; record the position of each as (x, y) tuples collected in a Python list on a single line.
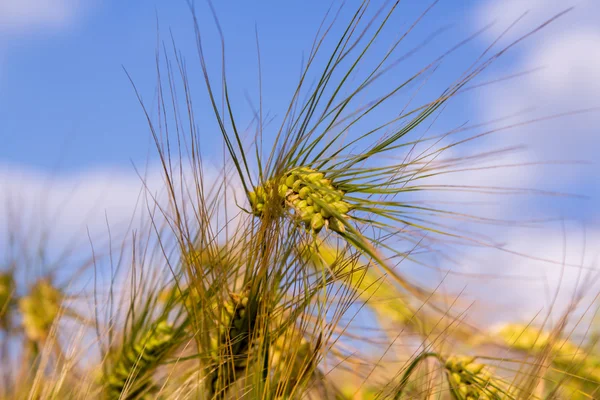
[(73, 134)]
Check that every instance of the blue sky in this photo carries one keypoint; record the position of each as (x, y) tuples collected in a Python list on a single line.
[(66, 97), (68, 114)]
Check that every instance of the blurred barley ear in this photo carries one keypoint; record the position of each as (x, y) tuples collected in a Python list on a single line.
[(234, 342), (131, 377), (293, 362), (7, 299), (41, 312), (557, 363), (391, 305)]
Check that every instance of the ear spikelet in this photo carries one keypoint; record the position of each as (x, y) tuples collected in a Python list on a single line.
[(40, 309), (131, 377), (469, 380), (314, 199)]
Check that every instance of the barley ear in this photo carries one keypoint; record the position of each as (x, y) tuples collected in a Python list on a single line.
[(312, 199), (7, 299), (232, 345), (469, 380), (131, 377), (40, 310)]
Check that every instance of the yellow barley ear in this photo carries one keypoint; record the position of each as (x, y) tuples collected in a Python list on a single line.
[(40, 309)]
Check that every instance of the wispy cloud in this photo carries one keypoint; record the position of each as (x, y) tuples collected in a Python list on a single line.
[(534, 262), (23, 15), (568, 78), (68, 206), (522, 278), (534, 12)]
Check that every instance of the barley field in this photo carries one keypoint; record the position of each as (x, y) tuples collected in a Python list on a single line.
[(323, 216)]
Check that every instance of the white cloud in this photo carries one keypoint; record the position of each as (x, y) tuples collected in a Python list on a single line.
[(68, 205), (518, 273), (569, 79), (19, 15), (532, 13), (537, 265), (69, 202), (497, 171), (512, 282), (571, 67)]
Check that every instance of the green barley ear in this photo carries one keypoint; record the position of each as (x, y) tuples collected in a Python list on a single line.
[(314, 200), (131, 377), (7, 299), (311, 197), (469, 380), (40, 310), (232, 344)]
